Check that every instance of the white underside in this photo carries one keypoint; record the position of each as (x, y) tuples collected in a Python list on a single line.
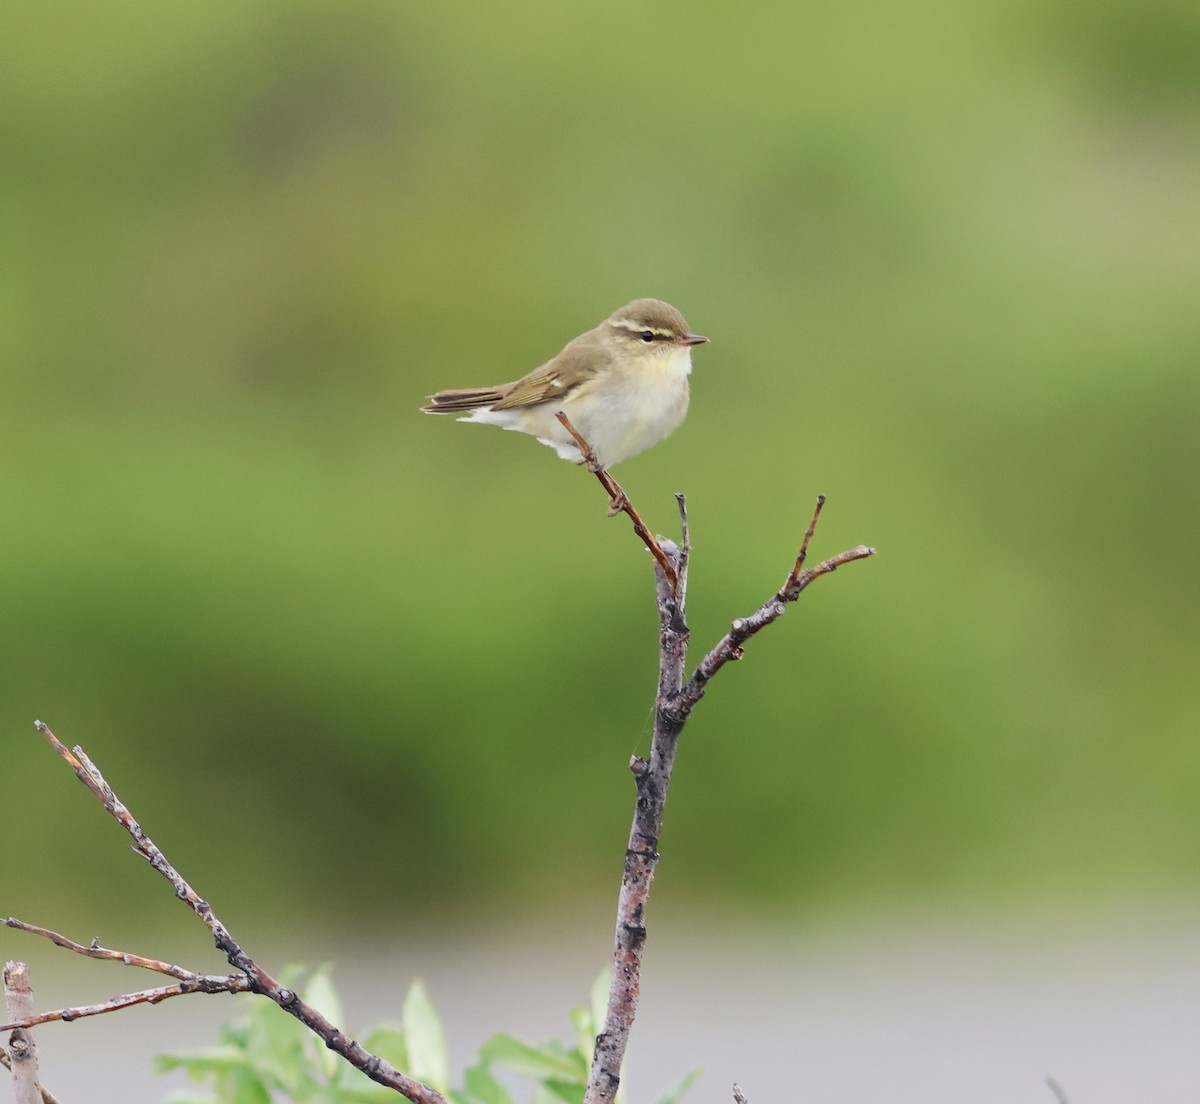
[(618, 417)]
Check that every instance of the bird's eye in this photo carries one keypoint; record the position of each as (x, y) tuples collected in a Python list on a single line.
[(647, 336)]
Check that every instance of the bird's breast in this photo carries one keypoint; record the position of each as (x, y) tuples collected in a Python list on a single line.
[(630, 411)]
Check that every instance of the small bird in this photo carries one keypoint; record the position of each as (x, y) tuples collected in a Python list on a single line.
[(623, 385)]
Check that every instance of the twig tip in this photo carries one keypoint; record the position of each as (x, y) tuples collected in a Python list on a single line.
[(820, 500), (41, 726)]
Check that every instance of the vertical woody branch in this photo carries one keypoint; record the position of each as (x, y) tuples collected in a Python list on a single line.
[(652, 778), (674, 702), (22, 1050)]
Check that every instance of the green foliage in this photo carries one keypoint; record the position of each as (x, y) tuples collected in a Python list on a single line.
[(947, 255), (269, 1055)]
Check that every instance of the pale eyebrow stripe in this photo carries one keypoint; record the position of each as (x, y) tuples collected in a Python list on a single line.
[(635, 327)]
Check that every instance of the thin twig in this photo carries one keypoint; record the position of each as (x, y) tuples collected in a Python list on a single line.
[(619, 501), (188, 981), (729, 647), (685, 551), (200, 983), (673, 706), (802, 555), (94, 950), (259, 981), (739, 1097)]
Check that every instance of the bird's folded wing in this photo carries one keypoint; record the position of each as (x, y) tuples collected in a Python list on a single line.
[(566, 375)]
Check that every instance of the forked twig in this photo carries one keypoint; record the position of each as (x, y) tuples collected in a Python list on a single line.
[(619, 502), (729, 647), (94, 950), (187, 981), (674, 703), (200, 983), (257, 980), (794, 576)]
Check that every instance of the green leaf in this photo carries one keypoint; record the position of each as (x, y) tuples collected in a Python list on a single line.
[(220, 1059), (480, 1087), (543, 1063), (319, 992), (428, 1053), (234, 1034), (585, 1037), (673, 1096), (388, 1041), (589, 1021), (246, 1088), (275, 1044), (368, 1094), (554, 1092), (599, 1001)]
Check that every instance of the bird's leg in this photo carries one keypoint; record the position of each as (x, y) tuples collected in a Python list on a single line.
[(618, 501)]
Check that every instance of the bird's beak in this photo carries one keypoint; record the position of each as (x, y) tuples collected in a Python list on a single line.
[(694, 339)]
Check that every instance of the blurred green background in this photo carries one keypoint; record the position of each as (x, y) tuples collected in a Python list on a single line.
[(351, 665)]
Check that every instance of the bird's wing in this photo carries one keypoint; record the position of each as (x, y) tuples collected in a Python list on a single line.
[(564, 376)]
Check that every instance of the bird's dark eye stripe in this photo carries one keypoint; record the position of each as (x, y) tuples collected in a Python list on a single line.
[(644, 331)]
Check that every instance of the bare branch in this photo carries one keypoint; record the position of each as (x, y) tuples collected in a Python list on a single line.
[(685, 551), (94, 950), (729, 647), (188, 980), (18, 1000), (673, 706), (619, 501), (198, 983), (674, 702), (802, 555), (47, 1096), (739, 1097), (259, 981), (652, 778)]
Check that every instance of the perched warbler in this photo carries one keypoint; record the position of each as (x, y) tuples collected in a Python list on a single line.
[(623, 385)]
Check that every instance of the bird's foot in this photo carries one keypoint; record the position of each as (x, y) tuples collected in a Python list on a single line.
[(618, 503)]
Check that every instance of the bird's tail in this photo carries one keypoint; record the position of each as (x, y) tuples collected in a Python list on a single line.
[(463, 398)]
